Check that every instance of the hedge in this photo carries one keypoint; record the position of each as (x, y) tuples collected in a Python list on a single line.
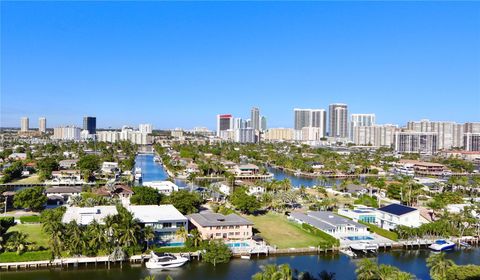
[(330, 240), (30, 219), (380, 231), (463, 272), (175, 249), (25, 257)]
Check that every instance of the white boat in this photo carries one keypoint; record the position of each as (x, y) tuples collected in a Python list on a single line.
[(364, 246), (164, 261), (245, 257), (138, 173), (348, 252), (442, 245)]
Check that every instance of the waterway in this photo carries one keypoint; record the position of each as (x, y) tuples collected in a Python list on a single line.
[(413, 261)]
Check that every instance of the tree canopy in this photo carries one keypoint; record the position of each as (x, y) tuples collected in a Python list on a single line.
[(30, 198), (145, 196)]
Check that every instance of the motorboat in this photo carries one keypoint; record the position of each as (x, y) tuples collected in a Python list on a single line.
[(364, 246), (442, 245), (138, 174), (348, 252), (164, 261)]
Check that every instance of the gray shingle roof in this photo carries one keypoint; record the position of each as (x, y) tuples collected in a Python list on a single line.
[(324, 220), (215, 219)]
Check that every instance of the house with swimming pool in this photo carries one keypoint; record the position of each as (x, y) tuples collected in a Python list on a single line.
[(331, 223), (218, 226), (393, 215)]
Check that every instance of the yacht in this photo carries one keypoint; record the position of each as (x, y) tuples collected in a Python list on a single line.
[(164, 261), (442, 245), (138, 173), (364, 246)]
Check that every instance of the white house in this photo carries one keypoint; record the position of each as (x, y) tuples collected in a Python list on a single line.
[(62, 194), (393, 215), (256, 190), (164, 219), (225, 189), (109, 167), (331, 223), (68, 177), (360, 213), (18, 156), (165, 187)]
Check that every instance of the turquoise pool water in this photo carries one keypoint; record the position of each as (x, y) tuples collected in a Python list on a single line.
[(174, 244), (355, 238), (237, 244)]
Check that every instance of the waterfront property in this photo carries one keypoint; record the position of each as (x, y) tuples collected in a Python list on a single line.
[(164, 187), (67, 177), (109, 167), (62, 194), (360, 213), (218, 226), (164, 219), (331, 223), (393, 215)]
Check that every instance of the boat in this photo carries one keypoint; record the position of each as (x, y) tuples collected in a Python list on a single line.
[(164, 261), (364, 246), (138, 173), (245, 257), (442, 245), (348, 252), (465, 244)]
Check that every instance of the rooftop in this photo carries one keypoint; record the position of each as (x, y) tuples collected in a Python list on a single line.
[(63, 190), (397, 209), (215, 219), (324, 220)]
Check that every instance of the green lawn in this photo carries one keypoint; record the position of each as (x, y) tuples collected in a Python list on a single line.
[(279, 231), (34, 231), (25, 257), (29, 180)]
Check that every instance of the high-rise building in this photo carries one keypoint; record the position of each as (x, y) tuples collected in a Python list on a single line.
[(416, 142), (471, 141), (248, 123), (450, 134), (245, 135), (24, 124), (316, 118), (67, 133), (224, 122), (145, 128), (255, 118), (42, 125), (470, 127), (239, 123), (338, 120), (90, 124), (263, 123), (360, 120), (279, 134)]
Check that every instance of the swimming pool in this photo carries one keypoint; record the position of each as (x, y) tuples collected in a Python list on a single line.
[(173, 244), (356, 238), (237, 244)]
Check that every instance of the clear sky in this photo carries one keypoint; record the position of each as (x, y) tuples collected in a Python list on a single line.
[(178, 64)]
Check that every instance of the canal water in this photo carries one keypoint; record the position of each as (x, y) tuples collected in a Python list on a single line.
[(154, 171), (413, 261)]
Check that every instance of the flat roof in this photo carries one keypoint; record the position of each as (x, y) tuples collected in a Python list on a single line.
[(216, 219), (324, 220), (397, 209)]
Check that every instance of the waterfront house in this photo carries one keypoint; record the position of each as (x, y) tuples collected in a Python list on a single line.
[(246, 169), (164, 219), (122, 192), (360, 213), (393, 215), (256, 190), (67, 163), (66, 177), (109, 167), (218, 226), (62, 195), (164, 187), (331, 223)]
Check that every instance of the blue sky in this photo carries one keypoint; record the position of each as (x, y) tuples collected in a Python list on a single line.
[(178, 64)]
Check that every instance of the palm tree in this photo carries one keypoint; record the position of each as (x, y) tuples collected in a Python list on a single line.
[(51, 224), (439, 265), (366, 270), (271, 271), (386, 272), (75, 242), (17, 242), (118, 254), (196, 237), (76, 200), (97, 237), (148, 235), (325, 275), (182, 233), (404, 276)]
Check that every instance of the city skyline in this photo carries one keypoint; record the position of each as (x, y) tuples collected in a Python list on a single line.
[(425, 68)]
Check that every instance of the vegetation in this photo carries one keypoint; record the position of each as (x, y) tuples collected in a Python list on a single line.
[(278, 231), (12, 172), (25, 257), (244, 202), (145, 196), (216, 252), (382, 232), (329, 241), (439, 266), (30, 219), (30, 198), (284, 272), (186, 202), (369, 270), (45, 167), (88, 164), (367, 201)]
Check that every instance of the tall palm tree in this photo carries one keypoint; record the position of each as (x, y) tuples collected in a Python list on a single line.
[(97, 237), (196, 237), (182, 233), (439, 265), (75, 242), (386, 272), (148, 235), (366, 270), (271, 271)]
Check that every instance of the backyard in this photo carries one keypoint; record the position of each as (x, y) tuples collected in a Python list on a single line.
[(34, 231), (279, 231)]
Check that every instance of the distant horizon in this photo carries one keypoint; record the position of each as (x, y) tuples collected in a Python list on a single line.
[(179, 64)]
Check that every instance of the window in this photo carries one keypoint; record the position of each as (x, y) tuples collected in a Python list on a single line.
[(180, 224), (219, 227), (218, 234), (237, 233), (231, 233), (167, 225), (230, 227), (237, 227)]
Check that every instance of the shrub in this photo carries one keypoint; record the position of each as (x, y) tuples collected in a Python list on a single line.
[(25, 257), (30, 219), (330, 240), (463, 272), (380, 231)]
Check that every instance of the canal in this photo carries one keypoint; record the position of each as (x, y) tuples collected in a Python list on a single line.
[(413, 261)]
